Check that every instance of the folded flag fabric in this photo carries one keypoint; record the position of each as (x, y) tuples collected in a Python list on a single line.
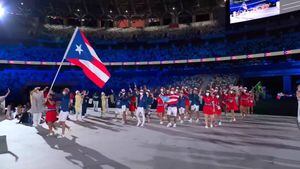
[(81, 54)]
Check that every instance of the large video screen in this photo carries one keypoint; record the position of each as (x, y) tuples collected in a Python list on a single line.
[(246, 10)]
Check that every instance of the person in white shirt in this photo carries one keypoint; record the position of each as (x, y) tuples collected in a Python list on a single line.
[(37, 105)]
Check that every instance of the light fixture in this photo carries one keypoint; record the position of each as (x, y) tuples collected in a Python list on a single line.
[(2, 11)]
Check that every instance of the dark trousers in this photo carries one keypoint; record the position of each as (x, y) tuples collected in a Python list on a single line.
[(84, 108)]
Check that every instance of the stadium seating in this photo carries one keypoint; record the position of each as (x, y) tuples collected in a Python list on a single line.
[(163, 51)]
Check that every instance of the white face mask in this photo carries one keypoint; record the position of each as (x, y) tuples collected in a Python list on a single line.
[(172, 92), (64, 93), (141, 93), (217, 97), (207, 94)]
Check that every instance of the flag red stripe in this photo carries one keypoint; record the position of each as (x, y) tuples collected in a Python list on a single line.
[(85, 39), (88, 72), (101, 66)]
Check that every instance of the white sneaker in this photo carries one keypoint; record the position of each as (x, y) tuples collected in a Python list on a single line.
[(181, 121), (206, 127), (161, 122), (138, 124), (174, 125), (169, 125), (234, 119), (220, 123), (191, 120), (61, 136), (197, 121), (211, 126)]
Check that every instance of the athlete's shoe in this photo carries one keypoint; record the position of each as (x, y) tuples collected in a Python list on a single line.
[(161, 122), (181, 121), (169, 125), (174, 125), (206, 127), (220, 123)]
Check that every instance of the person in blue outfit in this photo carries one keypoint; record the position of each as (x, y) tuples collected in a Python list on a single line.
[(64, 110), (181, 106), (195, 105), (141, 107), (122, 105)]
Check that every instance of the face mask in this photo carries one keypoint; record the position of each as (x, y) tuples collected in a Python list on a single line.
[(141, 93), (217, 96), (207, 94), (172, 92), (64, 93)]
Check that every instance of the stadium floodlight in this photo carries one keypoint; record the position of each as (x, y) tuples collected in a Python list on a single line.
[(2, 11)]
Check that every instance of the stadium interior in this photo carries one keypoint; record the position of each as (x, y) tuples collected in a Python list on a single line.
[(150, 48), (139, 39)]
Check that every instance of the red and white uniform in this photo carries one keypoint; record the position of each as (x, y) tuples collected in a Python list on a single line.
[(244, 100), (251, 100), (160, 109), (51, 112), (231, 102), (133, 103), (217, 106), (208, 105)]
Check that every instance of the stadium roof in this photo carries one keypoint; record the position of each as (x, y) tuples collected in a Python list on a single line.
[(111, 8)]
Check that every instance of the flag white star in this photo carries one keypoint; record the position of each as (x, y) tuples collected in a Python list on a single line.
[(79, 49)]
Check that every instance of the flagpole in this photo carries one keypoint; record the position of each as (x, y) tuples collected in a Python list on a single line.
[(62, 61)]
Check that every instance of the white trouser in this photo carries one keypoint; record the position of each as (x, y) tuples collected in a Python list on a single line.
[(172, 111), (298, 111), (181, 110), (96, 103), (140, 111), (36, 118)]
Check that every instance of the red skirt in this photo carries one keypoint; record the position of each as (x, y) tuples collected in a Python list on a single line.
[(232, 106), (244, 103), (132, 107), (218, 111), (250, 103), (208, 110), (51, 116), (160, 109)]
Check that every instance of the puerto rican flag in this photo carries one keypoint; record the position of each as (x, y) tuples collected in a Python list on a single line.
[(81, 53), (171, 99)]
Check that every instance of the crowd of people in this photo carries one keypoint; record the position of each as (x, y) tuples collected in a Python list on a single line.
[(172, 104), (196, 49)]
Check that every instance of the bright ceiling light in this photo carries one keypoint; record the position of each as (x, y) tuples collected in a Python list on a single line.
[(2, 11)]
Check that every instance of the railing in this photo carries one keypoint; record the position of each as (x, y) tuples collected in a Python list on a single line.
[(165, 62)]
